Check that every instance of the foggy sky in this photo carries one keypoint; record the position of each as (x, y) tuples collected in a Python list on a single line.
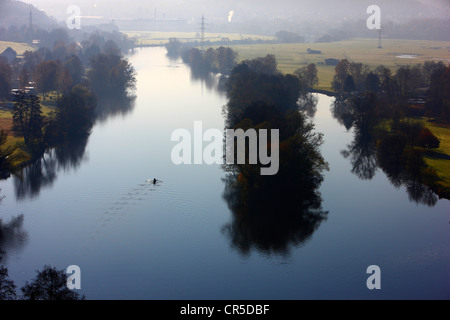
[(245, 10)]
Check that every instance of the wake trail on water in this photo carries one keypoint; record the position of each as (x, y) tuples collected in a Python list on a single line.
[(127, 203)]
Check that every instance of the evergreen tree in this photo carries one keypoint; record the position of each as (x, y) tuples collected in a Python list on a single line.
[(28, 120)]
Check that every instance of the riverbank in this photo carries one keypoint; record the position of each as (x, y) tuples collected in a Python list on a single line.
[(20, 157), (439, 159)]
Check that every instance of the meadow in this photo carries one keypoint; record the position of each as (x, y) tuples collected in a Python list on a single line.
[(439, 160), (393, 54), (161, 38)]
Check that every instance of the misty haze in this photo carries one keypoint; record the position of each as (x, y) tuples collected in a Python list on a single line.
[(116, 172)]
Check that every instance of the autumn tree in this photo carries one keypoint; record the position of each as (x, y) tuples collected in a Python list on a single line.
[(260, 97), (386, 81), (341, 73), (210, 60), (349, 84), (358, 71), (46, 76), (427, 139), (276, 211), (221, 60), (254, 81), (226, 59), (408, 78), (308, 76), (5, 78), (64, 81), (267, 65), (289, 37), (349, 76), (6, 152), (75, 68), (74, 116), (59, 51), (111, 75), (28, 119), (372, 82), (364, 109), (428, 68), (174, 48), (438, 104), (31, 59)]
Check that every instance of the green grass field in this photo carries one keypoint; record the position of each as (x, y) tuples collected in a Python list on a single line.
[(293, 56)]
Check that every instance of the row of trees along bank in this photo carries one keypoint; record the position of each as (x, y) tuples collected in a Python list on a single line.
[(75, 94)]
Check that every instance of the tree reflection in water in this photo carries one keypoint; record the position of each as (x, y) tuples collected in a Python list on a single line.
[(341, 111), (31, 179), (273, 219), (212, 81), (374, 148), (12, 236), (67, 155), (118, 104), (362, 154), (406, 168), (307, 103), (43, 172)]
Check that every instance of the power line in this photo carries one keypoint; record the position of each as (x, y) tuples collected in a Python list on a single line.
[(203, 32), (30, 27), (379, 39)]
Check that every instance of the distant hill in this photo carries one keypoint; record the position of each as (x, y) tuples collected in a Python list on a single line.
[(17, 13), (249, 10)]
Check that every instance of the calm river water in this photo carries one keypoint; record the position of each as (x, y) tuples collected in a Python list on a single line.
[(135, 240)]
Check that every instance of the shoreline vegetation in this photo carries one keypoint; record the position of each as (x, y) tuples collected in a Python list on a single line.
[(52, 97), (346, 79), (393, 54), (395, 112), (56, 83)]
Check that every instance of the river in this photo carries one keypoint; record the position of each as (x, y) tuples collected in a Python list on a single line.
[(136, 240)]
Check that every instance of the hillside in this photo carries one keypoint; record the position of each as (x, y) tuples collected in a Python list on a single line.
[(17, 13)]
